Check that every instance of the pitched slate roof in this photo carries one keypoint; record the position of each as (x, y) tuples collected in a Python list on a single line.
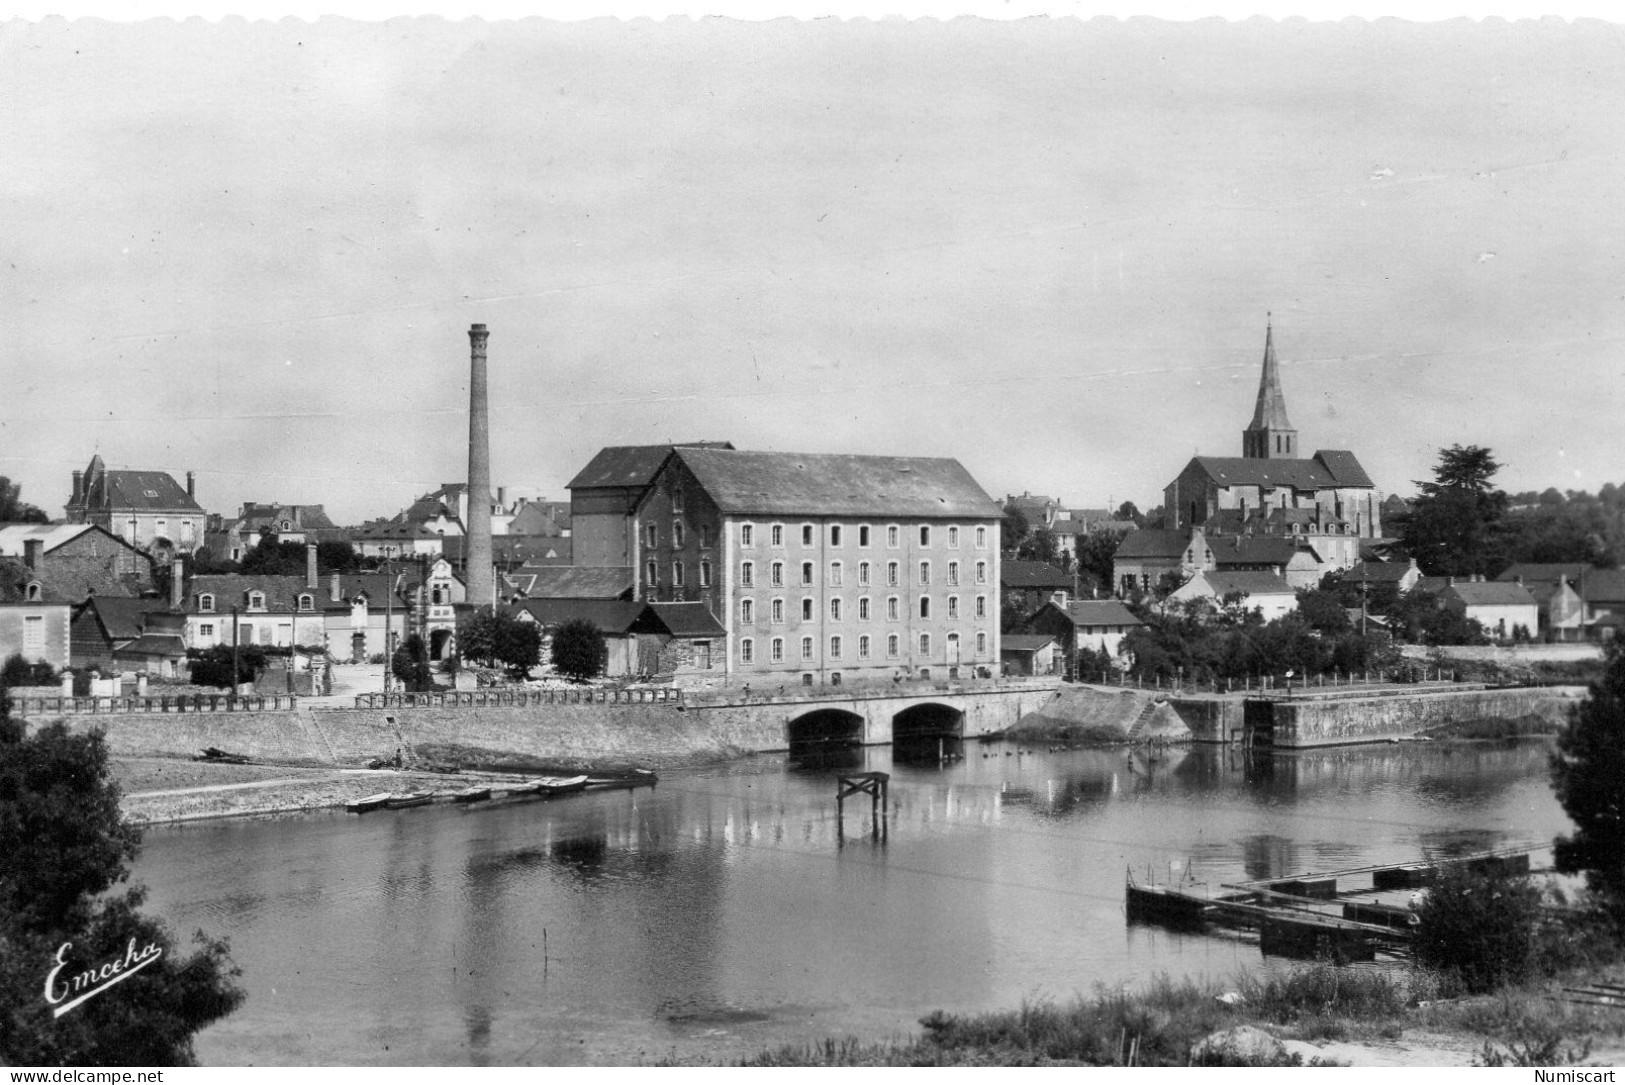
[(154, 490), (1489, 593), (153, 644), (1534, 572), (121, 618), (1603, 586), (1248, 583), (579, 582), (1024, 642), (1040, 575), (1090, 613), (1153, 542), (517, 549), (630, 465), (1270, 410), (14, 536), (1323, 471), (1230, 550), (1377, 572), (15, 578), (807, 484), (679, 620), (612, 617)]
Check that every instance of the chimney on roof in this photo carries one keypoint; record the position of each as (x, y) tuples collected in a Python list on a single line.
[(333, 590), (33, 552), (310, 566), (502, 497), (78, 487), (1518, 580), (191, 484), (177, 584), (1449, 581)]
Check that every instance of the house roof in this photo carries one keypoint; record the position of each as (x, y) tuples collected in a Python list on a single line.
[(1603, 586), (579, 582), (801, 484), (15, 578), (13, 536), (391, 530), (1090, 613), (1377, 572), (1324, 470), (1533, 572), (1248, 583), (1032, 574), (1231, 550), (630, 465), (1153, 542), (121, 618), (154, 490), (679, 620), (1024, 642), (153, 644), (282, 592), (517, 549), (613, 617), (1488, 593)]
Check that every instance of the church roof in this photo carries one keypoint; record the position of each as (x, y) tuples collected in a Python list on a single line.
[(1323, 471), (1270, 411)]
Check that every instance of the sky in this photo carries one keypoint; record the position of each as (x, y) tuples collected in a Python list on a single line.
[(1047, 248)]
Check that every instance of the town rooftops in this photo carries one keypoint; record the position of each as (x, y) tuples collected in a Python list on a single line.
[(1032, 575), (1233, 550), (1531, 572), (121, 618), (1603, 586), (13, 536), (579, 582), (822, 484), (1326, 469), (630, 465)]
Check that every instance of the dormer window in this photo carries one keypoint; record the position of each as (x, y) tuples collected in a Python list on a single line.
[(205, 603), (256, 600), (307, 602), (33, 592)]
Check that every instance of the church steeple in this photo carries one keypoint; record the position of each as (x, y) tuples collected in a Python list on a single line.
[(1271, 436)]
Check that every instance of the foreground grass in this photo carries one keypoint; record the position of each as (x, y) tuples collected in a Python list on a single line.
[(1164, 1024)]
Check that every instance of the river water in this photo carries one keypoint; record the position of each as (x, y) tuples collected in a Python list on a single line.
[(728, 909)]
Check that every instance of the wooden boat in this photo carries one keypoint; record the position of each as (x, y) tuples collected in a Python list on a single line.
[(548, 786), (471, 794), (371, 802), (402, 800), (630, 779)]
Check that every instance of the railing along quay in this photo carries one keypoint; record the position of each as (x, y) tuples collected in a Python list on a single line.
[(522, 698), (119, 706)]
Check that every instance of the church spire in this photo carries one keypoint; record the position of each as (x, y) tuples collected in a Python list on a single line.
[(1271, 435)]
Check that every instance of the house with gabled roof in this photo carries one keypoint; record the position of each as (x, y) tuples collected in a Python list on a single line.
[(605, 495), (81, 559), (1027, 585), (34, 616), (1267, 593), (1501, 608), (1096, 625), (147, 509)]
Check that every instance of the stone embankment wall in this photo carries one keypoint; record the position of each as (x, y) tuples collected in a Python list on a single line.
[(1331, 722), (1104, 711)]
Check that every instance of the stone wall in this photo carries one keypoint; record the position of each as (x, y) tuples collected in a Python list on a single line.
[(1302, 723)]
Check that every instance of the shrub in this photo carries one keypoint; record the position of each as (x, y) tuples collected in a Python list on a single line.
[(17, 671), (578, 650), (1588, 774), (1480, 929), (410, 665)]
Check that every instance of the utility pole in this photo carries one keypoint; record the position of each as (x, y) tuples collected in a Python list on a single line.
[(236, 634), (389, 627)]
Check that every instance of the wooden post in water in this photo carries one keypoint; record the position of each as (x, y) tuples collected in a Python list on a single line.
[(873, 784)]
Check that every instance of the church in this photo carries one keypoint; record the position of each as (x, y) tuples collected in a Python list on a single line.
[(1325, 500)]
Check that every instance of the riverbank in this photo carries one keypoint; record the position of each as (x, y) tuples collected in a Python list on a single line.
[(1319, 1015)]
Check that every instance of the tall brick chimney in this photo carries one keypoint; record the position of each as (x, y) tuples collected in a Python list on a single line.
[(33, 553), (177, 584), (78, 487), (310, 566), (191, 484), (477, 557)]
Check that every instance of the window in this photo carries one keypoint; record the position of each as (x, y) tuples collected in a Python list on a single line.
[(863, 609), (835, 573), (892, 536), (205, 603), (891, 607), (160, 527), (307, 602), (981, 606), (925, 572), (981, 644), (747, 535), (863, 535), (776, 574), (677, 534), (778, 611), (835, 678), (747, 574), (651, 535), (953, 574), (776, 534), (925, 606), (806, 610), (835, 534), (705, 574), (925, 534), (653, 571), (256, 600), (925, 644), (863, 647), (186, 531), (777, 650), (34, 634), (806, 648), (677, 501), (891, 574), (747, 650), (981, 538), (953, 606), (806, 534), (835, 609), (891, 646), (206, 629), (863, 574), (33, 593), (747, 611), (806, 573), (981, 572), (835, 647), (953, 538), (677, 574), (705, 535)]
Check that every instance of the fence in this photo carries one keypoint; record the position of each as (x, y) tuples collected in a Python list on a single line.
[(112, 706), (1298, 685), (497, 698)]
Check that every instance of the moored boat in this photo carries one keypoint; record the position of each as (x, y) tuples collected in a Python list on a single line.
[(471, 794), (371, 802), (548, 786), (408, 798)]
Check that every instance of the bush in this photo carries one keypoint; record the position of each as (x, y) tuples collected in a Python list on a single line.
[(17, 671), (578, 650), (410, 665), (1588, 774), (1481, 930), (212, 666)]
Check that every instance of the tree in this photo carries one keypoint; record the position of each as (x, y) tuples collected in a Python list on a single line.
[(1479, 928), (578, 650), (1588, 776), (212, 666), (274, 558), (13, 509), (63, 851), (1127, 511), (410, 665), (337, 557), (1096, 553), (1013, 529), (500, 638), (1450, 529), (1324, 611), (17, 671), (1039, 545)]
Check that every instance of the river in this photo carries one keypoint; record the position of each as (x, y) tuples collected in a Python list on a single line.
[(727, 909)]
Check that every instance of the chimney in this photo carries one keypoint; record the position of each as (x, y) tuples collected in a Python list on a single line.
[(502, 498), (333, 591), (1449, 581), (477, 556), (1518, 580), (191, 484), (78, 487), (33, 552), (177, 584), (310, 566)]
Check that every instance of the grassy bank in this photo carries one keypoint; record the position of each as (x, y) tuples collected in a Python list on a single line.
[(1315, 1015)]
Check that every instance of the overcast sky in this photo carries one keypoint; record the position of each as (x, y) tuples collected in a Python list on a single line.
[(1044, 248)]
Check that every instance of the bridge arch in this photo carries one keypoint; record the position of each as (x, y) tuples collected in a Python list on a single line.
[(823, 731), (929, 732)]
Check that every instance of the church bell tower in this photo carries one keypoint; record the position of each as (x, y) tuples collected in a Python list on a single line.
[(1270, 436)]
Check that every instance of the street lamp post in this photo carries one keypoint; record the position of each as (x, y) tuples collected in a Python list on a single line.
[(389, 626)]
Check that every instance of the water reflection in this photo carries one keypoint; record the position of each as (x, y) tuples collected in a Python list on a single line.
[(738, 906)]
